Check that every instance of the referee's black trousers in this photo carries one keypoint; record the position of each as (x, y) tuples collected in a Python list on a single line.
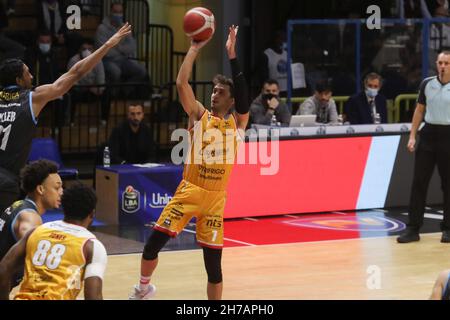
[(433, 149)]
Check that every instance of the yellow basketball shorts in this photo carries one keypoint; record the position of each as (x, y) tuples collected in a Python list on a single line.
[(190, 201)]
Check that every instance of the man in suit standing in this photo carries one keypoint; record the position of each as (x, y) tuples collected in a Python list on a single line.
[(362, 107)]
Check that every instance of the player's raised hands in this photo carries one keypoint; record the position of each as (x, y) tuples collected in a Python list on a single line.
[(119, 35), (231, 41), (197, 45)]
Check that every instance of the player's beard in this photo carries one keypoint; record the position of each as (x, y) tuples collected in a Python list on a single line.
[(134, 123), (215, 108), (219, 109)]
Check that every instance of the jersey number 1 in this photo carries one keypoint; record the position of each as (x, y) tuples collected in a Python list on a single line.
[(6, 131), (214, 237)]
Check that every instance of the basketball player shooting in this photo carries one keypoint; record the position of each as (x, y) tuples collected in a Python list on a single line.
[(201, 193)]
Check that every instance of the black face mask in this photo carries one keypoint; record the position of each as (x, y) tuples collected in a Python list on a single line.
[(268, 96)]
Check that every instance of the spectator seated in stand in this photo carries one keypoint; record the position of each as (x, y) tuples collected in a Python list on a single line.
[(132, 141), (267, 104), (8, 47), (120, 62), (321, 104), (42, 60), (95, 79), (51, 16), (361, 108)]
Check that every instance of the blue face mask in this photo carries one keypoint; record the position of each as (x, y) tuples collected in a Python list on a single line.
[(44, 47), (372, 93), (117, 19)]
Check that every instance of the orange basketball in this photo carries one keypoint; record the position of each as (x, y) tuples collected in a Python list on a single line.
[(199, 24)]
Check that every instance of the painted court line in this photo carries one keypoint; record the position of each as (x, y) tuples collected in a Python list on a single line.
[(313, 242), (428, 215), (433, 216), (302, 215), (380, 210), (336, 240)]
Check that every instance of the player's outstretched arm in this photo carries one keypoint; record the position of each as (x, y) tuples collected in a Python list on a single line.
[(10, 264), (187, 98), (241, 104), (62, 85)]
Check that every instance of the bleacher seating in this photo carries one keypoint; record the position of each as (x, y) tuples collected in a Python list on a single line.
[(46, 148)]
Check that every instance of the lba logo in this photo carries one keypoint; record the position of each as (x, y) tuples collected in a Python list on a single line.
[(130, 200)]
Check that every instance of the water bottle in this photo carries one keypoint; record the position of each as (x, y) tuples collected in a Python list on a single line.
[(377, 118), (340, 120), (106, 157), (273, 121)]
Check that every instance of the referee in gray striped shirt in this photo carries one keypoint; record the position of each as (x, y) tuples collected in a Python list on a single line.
[(433, 106)]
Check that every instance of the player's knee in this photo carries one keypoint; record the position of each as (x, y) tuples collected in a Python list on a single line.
[(150, 252), (215, 276), (154, 244), (213, 264)]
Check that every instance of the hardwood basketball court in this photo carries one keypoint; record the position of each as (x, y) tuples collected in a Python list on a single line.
[(362, 267)]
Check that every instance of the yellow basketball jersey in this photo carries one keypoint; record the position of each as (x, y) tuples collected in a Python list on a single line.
[(214, 143), (54, 262)]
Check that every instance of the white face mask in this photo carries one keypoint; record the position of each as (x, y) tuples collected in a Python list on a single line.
[(85, 53), (44, 47), (372, 93)]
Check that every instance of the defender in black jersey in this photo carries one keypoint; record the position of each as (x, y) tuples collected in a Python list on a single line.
[(20, 107), (43, 186)]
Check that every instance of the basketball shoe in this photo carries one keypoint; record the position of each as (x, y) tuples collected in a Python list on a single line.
[(137, 294)]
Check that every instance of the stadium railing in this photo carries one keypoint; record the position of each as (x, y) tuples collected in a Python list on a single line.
[(404, 106)]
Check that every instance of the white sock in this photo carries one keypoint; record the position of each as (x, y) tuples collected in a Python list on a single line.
[(144, 283)]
